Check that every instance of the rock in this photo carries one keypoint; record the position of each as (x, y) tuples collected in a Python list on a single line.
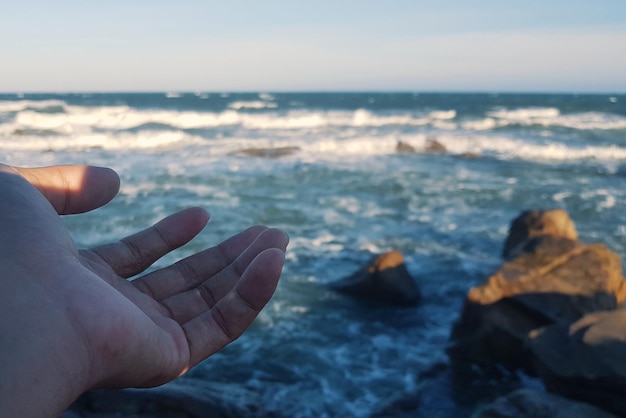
[(553, 280), (550, 265), (180, 398), (404, 148), (585, 360), (268, 152), (432, 396), (384, 279), (537, 223), (434, 146), (470, 155), (528, 403)]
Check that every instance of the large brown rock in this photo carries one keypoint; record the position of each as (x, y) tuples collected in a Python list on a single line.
[(585, 360), (384, 279), (553, 279), (555, 265)]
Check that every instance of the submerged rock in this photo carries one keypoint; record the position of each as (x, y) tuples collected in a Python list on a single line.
[(404, 148), (553, 279), (268, 152), (434, 146), (528, 403), (384, 279), (470, 155), (180, 398)]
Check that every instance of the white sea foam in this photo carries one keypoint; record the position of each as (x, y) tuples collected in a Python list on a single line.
[(444, 125), (552, 117), (363, 117), (442, 114), (79, 118), (75, 132), (123, 117), (107, 127), (605, 198), (480, 125), (119, 142), (257, 104), (509, 148), (525, 114)]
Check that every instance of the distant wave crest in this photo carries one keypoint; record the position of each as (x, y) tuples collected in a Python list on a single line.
[(55, 125), (58, 116)]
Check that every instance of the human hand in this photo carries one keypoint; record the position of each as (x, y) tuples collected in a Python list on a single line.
[(75, 320)]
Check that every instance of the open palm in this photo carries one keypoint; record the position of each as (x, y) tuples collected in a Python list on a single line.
[(140, 332)]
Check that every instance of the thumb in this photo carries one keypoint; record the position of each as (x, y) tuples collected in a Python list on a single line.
[(73, 188)]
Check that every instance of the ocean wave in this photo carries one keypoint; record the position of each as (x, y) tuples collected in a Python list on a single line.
[(145, 141), (525, 114), (58, 116), (506, 148), (552, 117), (315, 147), (499, 147), (316, 134), (123, 118), (442, 114), (34, 105)]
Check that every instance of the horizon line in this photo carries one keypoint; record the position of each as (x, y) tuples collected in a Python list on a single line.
[(320, 91)]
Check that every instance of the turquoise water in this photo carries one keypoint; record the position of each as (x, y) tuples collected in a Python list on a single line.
[(342, 196)]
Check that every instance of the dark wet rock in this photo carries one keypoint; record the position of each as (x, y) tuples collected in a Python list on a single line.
[(470, 155), (384, 279), (528, 403), (585, 360), (268, 152), (175, 400), (439, 394), (404, 148), (552, 280), (434, 146)]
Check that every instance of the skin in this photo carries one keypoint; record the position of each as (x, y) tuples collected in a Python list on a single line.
[(70, 320)]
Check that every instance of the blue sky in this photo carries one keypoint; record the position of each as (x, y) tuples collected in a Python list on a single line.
[(272, 45)]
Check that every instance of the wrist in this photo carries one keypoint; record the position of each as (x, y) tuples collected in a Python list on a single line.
[(44, 363)]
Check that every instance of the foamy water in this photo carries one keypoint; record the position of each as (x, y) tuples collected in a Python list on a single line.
[(343, 194)]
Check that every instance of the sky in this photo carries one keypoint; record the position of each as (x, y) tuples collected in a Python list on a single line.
[(323, 45)]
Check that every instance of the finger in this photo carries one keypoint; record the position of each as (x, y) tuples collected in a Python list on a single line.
[(213, 329), (73, 188), (135, 253), (188, 273), (186, 305)]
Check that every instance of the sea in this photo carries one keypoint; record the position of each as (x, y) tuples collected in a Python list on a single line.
[(324, 167)]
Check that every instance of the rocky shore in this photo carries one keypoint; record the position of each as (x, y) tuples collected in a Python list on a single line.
[(551, 312)]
